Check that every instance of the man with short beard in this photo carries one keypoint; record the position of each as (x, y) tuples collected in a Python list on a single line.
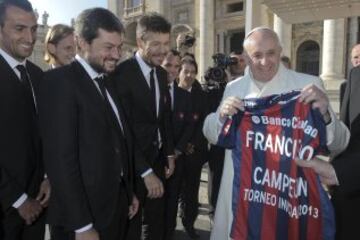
[(142, 85), (23, 191), (87, 144)]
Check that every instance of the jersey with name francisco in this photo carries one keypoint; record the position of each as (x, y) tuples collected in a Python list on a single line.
[(273, 198)]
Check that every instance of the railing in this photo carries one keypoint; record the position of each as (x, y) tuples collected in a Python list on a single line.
[(138, 10)]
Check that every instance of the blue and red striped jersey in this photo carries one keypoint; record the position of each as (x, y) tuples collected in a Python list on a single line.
[(273, 198)]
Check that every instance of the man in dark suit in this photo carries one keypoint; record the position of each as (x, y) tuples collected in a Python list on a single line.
[(182, 132), (346, 196), (355, 61), (195, 156), (142, 84), (87, 144), (343, 171), (23, 190)]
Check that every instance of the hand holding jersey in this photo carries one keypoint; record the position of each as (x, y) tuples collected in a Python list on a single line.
[(266, 76)]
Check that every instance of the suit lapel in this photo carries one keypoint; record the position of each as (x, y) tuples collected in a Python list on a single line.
[(6, 70), (88, 87), (142, 85), (354, 109), (344, 111)]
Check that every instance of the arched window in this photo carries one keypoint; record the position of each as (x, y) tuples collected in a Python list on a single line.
[(308, 55)]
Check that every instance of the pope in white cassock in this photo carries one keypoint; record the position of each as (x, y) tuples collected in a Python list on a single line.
[(266, 76)]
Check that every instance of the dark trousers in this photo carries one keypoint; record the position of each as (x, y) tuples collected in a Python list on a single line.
[(216, 165), (190, 189), (347, 208), (13, 227), (149, 221), (116, 230), (172, 192)]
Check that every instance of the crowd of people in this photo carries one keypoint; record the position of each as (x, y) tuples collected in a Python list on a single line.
[(99, 148)]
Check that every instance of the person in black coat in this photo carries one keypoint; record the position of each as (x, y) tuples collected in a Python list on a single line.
[(23, 191), (342, 173), (195, 155), (142, 83), (88, 148), (182, 129), (346, 196)]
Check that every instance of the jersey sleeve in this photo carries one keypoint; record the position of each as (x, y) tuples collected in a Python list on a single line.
[(228, 134)]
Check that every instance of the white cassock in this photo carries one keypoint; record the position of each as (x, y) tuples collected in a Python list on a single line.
[(285, 80)]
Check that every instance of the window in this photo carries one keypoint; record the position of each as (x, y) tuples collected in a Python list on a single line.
[(133, 3), (182, 16), (308, 58), (235, 7)]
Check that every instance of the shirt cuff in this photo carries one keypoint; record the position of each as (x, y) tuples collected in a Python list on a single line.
[(20, 200), (330, 130), (84, 229), (147, 172)]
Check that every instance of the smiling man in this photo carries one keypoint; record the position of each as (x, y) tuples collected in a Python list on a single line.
[(87, 143), (142, 85), (266, 76), (22, 196)]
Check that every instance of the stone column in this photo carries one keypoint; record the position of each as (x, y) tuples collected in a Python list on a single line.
[(113, 6), (221, 43), (333, 58), (255, 15), (333, 53), (284, 32), (206, 43)]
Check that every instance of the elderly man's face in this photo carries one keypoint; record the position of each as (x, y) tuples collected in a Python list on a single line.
[(355, 56), (263, 56)]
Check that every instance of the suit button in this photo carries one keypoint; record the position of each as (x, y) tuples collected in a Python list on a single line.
[(155, 143), (117, 150)]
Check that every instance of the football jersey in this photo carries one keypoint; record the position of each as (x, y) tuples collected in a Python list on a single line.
[(272, 197)]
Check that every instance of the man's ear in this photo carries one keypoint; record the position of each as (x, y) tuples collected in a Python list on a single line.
[(81, 43), (246, 57), (140, 43), (51, 48)]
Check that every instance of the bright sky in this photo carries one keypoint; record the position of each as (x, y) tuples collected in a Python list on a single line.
[(61, 11)]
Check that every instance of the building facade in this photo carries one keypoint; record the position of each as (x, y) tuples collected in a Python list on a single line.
[(320, 47)]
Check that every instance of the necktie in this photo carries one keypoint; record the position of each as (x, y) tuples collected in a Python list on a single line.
[(25, 80), (109, 110), (152, 90), (171, 93), (117, 135)]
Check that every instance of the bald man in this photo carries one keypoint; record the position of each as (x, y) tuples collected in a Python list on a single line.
[(355, 62), (266, 76)]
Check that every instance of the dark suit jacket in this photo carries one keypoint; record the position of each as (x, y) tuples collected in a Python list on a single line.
[(182, 124), (21, 168), (200, 110), (84, 158), (131, 85), (346, 196), (342, 92)]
